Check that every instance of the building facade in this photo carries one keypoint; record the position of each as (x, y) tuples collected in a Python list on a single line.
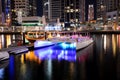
[(73, 10), (22, 8), (90, 12), (112, 8), (101, 11), (108, 11), (51, 10), (0, 12), (65, 10), (32, 7)]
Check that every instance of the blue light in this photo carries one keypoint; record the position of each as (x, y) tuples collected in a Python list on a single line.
[(73, 45), (68, 55), (43, 53), (1, 73), (11, 68), (67, 45)]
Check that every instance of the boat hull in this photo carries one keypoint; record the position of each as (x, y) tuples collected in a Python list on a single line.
[(32, 40), (81, 45), (4, 55)]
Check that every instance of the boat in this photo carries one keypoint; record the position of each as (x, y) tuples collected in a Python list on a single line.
[(81, 41), (33, 36), (42, 44), (4, 55), (16, 49)]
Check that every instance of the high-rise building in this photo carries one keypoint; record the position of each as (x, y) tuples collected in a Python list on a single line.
[(16, 7), (26, 7), (32, 7), (22, 5), (73, 10), (8, 12), (108, 10), (66, 10), (91, 13), (112, 9), (51, 9), (101, 10), (0, 12)]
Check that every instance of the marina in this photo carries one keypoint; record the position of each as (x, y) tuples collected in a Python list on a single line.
[(60, 57), (59, 40)]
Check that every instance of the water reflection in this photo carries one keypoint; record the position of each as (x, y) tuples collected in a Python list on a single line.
[(99, 61), (58, 52), (6, 40), (3, 65)]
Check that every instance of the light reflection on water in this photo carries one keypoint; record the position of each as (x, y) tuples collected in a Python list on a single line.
[(99, 61), (6, 40), (55, 52)]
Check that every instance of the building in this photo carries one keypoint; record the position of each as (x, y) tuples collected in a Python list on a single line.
[(73, 10), (26, 7), (31, 21), (91, 13), (32, 7), (108, 10), (66, 10), (101, 10), (0, 12), (51, 9), (112, 9), (22, 5)]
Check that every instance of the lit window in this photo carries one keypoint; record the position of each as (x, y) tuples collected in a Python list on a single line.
[(71, 10), (76, 10)]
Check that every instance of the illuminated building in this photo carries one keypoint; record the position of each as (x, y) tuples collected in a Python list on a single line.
[(52, 9), (101, 10), (32, 21), (66, 10), (108, 10), (22, 5), (0, 12), (91, 13), (8, 12), (32, 8), (46, 9), (73, 10), (113, 11), (26, 7)]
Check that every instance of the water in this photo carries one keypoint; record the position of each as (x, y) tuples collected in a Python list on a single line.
[(99, 61)]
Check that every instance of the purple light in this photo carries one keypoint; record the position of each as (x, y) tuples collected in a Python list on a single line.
[(56, 53)]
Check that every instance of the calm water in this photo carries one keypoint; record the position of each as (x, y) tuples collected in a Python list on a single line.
[(99, 61)]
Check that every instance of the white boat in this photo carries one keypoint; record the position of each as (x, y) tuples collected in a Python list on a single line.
[(18, 50), (4, 55), (80, 44), (43, 44)]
